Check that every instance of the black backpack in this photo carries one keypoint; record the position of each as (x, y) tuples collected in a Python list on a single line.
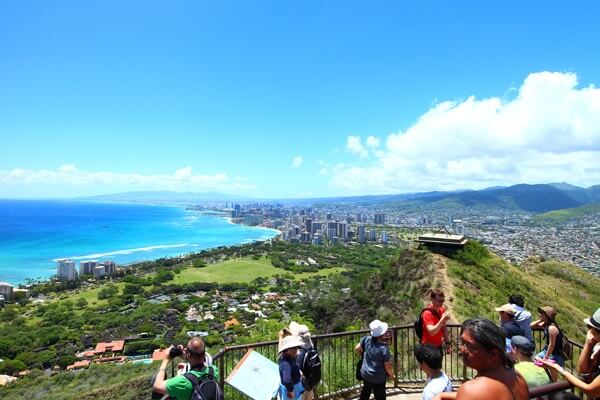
[(311, 369), (419, 322), (206, 388)]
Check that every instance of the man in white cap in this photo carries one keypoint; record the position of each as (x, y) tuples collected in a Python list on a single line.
[(377, 364), (508, 324)]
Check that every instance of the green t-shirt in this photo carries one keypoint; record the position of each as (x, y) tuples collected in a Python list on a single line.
[(180, 387), (534, 376)]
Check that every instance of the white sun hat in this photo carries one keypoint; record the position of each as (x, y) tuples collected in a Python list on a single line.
[(378, 328)]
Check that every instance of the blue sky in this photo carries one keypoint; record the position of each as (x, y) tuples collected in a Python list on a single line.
[(296, 98)]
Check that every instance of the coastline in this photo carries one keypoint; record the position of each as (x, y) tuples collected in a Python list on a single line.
[(194, 232)]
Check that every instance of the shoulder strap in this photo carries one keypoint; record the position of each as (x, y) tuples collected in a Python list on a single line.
[(432, 310), (304, 359), (192, 378)]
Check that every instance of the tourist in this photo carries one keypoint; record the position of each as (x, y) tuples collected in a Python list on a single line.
[(586, 361), (522, 351), (430, 361), (180, 387), (434, 318), (306, 359), (588, 364), (552, 335), (289, 373), (482, 348), (523, 316), (508, 324), (377, 364)]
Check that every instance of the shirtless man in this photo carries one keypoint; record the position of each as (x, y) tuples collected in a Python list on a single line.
[(482, 349)]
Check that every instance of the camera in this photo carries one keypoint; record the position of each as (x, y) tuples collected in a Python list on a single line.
[(175, 352)]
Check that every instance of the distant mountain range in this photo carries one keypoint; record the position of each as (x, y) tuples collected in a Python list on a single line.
[(169, 197), (539, 198)]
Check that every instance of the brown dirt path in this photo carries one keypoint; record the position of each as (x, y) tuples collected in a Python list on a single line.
[(441, 275)]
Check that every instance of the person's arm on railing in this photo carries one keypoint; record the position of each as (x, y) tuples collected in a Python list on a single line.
[(591, 389), (585, 363), (445, 396), (537, 324), (358, 349)]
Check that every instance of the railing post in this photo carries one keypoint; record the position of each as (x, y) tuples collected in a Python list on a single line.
[(396, 369)]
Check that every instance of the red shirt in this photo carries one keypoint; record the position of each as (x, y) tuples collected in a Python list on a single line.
[(430, 318)]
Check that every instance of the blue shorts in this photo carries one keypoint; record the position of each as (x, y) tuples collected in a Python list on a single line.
[(557, 359)]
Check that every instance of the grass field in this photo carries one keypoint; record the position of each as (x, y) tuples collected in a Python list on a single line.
[(241, 270), (91, 295)]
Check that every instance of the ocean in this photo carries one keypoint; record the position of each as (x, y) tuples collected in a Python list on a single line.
[(36, 233)]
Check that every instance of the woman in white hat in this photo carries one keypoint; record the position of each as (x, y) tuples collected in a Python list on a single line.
[(588, 360), (377, 361), (289, 373)]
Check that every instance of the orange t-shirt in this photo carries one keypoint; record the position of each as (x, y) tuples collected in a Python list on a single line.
[(430, 318)]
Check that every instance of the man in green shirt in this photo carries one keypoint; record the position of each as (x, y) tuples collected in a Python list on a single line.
[(522, 350), (179, 387)]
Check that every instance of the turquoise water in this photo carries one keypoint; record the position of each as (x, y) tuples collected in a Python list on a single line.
[(34, 234)]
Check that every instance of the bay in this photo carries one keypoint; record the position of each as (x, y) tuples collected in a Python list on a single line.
[(36, 233)]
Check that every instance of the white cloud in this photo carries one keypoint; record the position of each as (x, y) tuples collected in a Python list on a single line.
[(355, 146), (373, 142), (182, 179), (297, 162), (549, 131)]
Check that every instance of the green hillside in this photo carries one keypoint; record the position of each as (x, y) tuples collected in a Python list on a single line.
[(558, 216), (483, 281)]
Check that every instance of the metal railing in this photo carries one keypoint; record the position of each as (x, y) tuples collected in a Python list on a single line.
[(339, 360)]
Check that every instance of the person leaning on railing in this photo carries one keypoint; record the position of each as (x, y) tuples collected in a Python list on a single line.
[(377, 360), (587, 364)]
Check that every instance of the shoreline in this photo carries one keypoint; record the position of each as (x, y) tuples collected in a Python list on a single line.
[(44, 274)]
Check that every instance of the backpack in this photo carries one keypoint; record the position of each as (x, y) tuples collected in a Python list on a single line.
[(311, 369), (567, 348), (205, 388), (419, 322)]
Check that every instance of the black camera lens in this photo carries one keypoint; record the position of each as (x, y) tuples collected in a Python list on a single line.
[(175, 352)]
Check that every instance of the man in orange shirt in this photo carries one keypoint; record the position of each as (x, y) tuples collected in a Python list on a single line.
[(434, 318)]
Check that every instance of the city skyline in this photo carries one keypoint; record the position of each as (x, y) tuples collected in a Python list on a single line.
[(291, 100)]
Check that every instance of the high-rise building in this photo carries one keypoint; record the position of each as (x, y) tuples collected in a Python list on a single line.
[(6, 290), (384, 237), (318, 238), (308, 225), (379, 219), (99, 271), (362, 238), (316, 226), (343, 231), (65, 270), (372, 234), (109, 267), (87, 267), (331, 233)]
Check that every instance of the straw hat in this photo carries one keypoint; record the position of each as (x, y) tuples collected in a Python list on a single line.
[(289, 342), (550, 312), (301, 332)]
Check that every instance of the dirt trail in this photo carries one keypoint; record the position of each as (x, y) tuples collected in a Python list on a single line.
[(441, 274)]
